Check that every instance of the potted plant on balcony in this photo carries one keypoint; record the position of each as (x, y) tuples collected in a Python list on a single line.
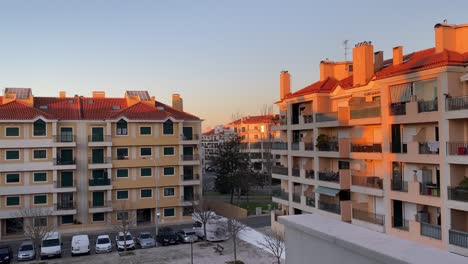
[(323, 142), (463, 184)]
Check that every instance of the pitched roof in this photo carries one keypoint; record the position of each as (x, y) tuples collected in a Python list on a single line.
[(59, 108), (254, 119), (18, 111), (101, 108), (324, 86)]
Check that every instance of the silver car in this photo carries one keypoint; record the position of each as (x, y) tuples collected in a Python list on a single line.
[(26, 251), (187, 235), (145, 240)]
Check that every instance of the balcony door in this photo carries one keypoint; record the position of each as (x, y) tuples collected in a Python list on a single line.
[(397, 213), (66, 179), (97, 134), (188, 151), (98, 155), (98, 199), (396, 138), (188, 172), (66, 156), (188, 133), (66, 200), (66, 134)]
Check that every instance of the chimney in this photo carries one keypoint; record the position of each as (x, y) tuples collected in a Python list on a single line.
[(99, 94), (398, 55), (326, 69), (378, 60), (177, 102), (451, 37), (363, 63), (285, 84), (62, 94)]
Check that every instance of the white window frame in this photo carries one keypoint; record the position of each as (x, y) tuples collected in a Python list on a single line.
[(32, 130), (34, 200), (169, 175), (146, 155), (8, 150), (164, 192), (169, 155), (117, 153), (120, 199), (47, 176), (6, 176), (6, 204), (19, 132), (39, 158), (145, 135), (151, 197), (98, 221), (147, 168), (164, 212)]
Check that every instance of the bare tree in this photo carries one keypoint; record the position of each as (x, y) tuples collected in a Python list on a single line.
[(233, 228), (274, 242), (35, 225), (123, 221), (202, 213)]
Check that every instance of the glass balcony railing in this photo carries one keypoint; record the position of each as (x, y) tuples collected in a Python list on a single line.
[(429, 189), (190, 137), (326, 117), (280, 194), (64, 138), (190, 177), (456, 103), (99, 138), (369, 217), (429, 147), (367, 181), (64, 161), (68, 205), (365, 112), (458, 194), (193, 157), (296, 198), (329, 207)]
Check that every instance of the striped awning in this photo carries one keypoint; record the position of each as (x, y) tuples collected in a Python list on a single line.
[(327, 191)]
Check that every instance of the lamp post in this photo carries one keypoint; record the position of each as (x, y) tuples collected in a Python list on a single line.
[(156, 221), (192, 239)]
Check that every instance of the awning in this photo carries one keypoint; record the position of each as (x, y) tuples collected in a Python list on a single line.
[(327, 191)]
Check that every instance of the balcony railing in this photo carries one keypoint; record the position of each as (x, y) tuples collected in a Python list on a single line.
[(326, 117), (457, 148), (429, 189), (193, 157), (190, 177), (329, 176), (400, 186), (458, 194), (369, 181), (60, 161), (99, 182), (190, 197), (398, 109), (65, 184), (190, 137), (65, 206), (280, 194), (429, 147), (100, 204), (401, 224), (279, 146), (428, 106), (257, 145), (458, 238), (366, 147), (310, 201), (369, 217), (310, 174), (64, 138), (99, 160), (365, 113), (309, 146), (295, 146), (329, 207), (308, 119), (329, 146), (456, 103), (296, 172), (279, 170), (296, 198), (431, 231), (99, 138)]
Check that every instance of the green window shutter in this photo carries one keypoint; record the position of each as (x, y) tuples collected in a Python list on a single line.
[(40, 199), (12, 154), (40, 176), (12, 200), (169, 170), (12, 131), (40, 154), (145, 172), (122, 173), (98, 217), (146, 193), (169, 212), (145, 130), (168, 151), (13, 178), (122, 194)]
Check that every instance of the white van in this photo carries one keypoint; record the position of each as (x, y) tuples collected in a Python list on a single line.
[(80, 245), (51, 245), (215, 228)]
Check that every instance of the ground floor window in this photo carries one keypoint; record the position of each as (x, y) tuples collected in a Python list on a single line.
[(67, 219), (98, 217), (169, 212)]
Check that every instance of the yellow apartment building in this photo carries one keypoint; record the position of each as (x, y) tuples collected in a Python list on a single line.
[(91, 160), (382, 143)]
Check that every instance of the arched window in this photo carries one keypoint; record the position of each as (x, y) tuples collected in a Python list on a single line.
[(168, 128), (40, 128), (122, 127)]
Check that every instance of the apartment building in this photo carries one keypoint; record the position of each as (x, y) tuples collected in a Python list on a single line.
[(211, 140), (382, 143), (91, 160), (256, 137)]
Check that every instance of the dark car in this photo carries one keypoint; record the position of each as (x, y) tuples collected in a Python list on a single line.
[(167, 236), (6, 255)]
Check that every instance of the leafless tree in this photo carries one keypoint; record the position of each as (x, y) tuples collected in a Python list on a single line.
[(233, 227), (35, 225), (123, 221), (202, 213), (274, 242)]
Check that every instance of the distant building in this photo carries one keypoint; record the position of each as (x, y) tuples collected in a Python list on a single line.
[(210, 141)]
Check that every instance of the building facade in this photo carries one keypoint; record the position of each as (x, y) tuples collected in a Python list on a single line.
[(382, 143), (91, 160)]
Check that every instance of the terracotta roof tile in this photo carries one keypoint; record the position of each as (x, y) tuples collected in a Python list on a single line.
[(18, 111), (325, 86), (101, 108), (255, 119), (59, 108)]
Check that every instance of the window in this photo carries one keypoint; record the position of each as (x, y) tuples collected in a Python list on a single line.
[(98, 217), (145, 130), (40, 128), (67, 219), (122, 216), (169, 212), (145, 152), (40, 176), (343, 165), (122, 128), (169, 192), (40, 221), (122, 173), (168, 151), (350, 67), (122, 153), (169, 171), (168, 128), (243, 129), (12, 131), (12, 178), (12, 200), (243, 137), (39, 154), (146, 193), (145, 172), (12, 154), (40, 199), (122, 195)]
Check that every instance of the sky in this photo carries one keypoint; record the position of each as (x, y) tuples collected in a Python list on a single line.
[(223, 57)]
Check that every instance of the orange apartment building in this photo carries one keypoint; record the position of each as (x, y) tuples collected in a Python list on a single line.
[(382, 143), (90, 160)]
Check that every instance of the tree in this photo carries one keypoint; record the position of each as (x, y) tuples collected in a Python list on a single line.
[(233, 229), (123, 222), (35, 225), (274, 242), (202, 214)]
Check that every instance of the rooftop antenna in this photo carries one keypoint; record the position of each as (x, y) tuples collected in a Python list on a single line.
[(445, 21), (346, 48)]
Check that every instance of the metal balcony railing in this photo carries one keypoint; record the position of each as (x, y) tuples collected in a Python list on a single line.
[(279, 146), (458, 238), (366, 147), (64, 138), (431, 231), (279, 170), (401, 224), (190, 177), (458, 194), (99, 138), (398, 109), (296, 172), (329, 176), (456, 103), (310, 174), (429, 189), (329, 207), (295, 146), (429, 147), (65, 184), (457, 148), (369, 217), (326, 117), (99, 182), (65, 205), (428, 106), (367, 181), (365, 112), (193, 157), (400, 186), (100, 204), (310, 201), (280, 194), (60, 161), (190, 198), (99, 160), (190, 137)]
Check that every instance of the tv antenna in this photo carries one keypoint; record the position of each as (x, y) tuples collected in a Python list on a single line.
[(346, 48)]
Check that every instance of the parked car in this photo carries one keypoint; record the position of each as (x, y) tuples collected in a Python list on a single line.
[(145, 240), (6, 255), (26, 251), (103, 244), (187, 235), (167, 236), (51, 245), (124, 242), (80, 245)]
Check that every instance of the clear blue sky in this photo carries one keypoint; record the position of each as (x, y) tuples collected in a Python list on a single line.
[(223, 57)]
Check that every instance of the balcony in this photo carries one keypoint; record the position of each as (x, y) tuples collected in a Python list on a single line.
[(308, 119), (99, 138), (99, 160), (296, 172), (61, 161), (401, 224), (65, 206), (432, 231), (429, 189), (295, 146), (65, 184), (190, 177), (365, 113), (456, 103), (458, 238), (193, 157), (100, 206), (431, 148), (399, 185), (99, 182), (279, 146), (330, 145), (458, 194), (296, 198), (280, 194), (329, 207), (366, 147), (189, 137), (370, 217), (329, 176), (367, 181), (326, 117), (309, 146), (257, 145), (398, 109), (428, 106), (310, 174), (279, 170), (310, 202), (64, 138), (457, 148)]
